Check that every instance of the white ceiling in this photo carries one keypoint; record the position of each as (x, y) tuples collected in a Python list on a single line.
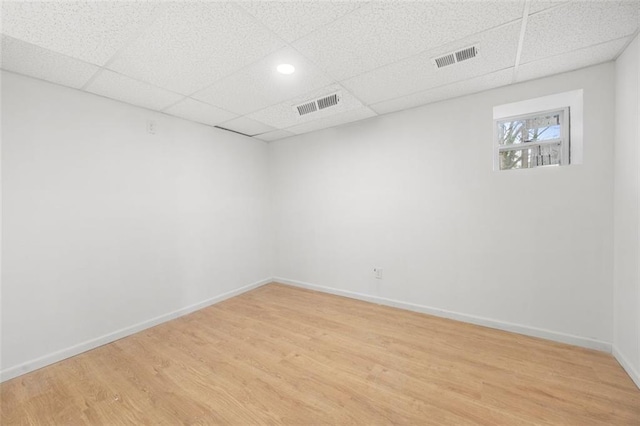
[(214, 62)]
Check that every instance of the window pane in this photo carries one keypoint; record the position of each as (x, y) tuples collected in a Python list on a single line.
[(543, 128), (515, 159), (511, 132), (527, 130), (549, 155), (535, 156)]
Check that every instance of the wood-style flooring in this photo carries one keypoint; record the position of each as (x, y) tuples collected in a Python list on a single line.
[(283, 355)]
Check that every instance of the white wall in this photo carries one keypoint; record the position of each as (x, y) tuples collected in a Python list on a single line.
[(414, 193), (106, 227), (627, 214)]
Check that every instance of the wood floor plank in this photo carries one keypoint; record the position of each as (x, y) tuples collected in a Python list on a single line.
[(284, 355)]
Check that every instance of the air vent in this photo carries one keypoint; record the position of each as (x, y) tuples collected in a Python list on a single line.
[(307, 108), (468, 53), (317, 104), (328, 101), (455, 57), (443, 61)]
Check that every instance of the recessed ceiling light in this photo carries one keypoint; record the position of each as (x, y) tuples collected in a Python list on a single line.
[(286, 69)]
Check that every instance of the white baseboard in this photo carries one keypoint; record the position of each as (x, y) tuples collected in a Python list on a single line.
[(54, 357), (487, 322), (624, 362)]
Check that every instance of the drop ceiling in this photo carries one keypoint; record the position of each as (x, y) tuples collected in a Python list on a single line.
[(215, 62)]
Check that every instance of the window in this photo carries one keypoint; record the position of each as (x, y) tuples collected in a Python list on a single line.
[(533, 140), (539, 132)]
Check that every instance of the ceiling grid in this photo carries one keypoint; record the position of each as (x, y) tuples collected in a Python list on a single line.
[(525, 18), (215, 62)]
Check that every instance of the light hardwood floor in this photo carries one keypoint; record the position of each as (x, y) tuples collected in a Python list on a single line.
[(282, 355)]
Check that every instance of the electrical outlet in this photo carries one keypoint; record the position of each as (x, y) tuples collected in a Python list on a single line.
[(377, 273)]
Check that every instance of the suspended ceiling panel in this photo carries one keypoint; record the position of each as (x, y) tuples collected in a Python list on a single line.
[(333, 120), (117, 86), (246, 126), (284, 115), (419, 73), (274, 135), (214, 62), (576, 25), (260, 85), (91, 31), (192, 45), (570, 61), (295, 19), (384, 32), (539, 5), (200, 112), (453, 90), (29, 59)]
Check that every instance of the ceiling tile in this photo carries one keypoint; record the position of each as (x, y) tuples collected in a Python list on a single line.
[(122, 88), (294, 19), (540, 5), (283, 115), (246, 126), (200, 112), (577, 25), (260, 85), (334, 120), (34, 61), (384, 32), (91, 31), (191, 45), (497, 50), (571, 61), (224, 53), (275, 135), (461, 88)]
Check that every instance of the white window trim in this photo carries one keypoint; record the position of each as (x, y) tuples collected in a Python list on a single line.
[(573, 100)]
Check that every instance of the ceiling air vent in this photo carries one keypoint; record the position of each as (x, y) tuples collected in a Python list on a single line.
[(328, 101), (468, 53), (307, 108), (443, 61), (317, 104), (455, 57)]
